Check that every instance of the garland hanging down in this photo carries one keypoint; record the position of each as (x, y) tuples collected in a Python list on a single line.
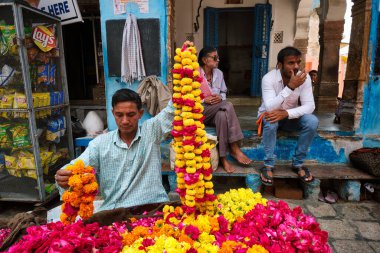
[(192, 161)]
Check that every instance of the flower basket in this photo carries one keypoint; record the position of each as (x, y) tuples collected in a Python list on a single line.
[(107, 217), (367, 159)]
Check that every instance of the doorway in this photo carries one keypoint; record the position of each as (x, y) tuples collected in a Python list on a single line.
[(241, 36)]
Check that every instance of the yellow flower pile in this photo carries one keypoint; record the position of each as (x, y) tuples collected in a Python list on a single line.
[(192, 162), (235, 203)]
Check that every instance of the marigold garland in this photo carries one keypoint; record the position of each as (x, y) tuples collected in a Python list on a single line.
[(192, 163), (79, 198)]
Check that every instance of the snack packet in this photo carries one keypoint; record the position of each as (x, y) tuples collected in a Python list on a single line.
[(5, 137), (20, 136)]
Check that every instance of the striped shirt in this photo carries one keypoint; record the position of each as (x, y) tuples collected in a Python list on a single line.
[(130, 176)]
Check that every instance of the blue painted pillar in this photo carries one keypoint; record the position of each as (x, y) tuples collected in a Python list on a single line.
[(157, 9)]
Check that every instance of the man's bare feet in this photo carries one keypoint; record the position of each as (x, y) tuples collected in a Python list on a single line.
[(239, 155), (227, 166)]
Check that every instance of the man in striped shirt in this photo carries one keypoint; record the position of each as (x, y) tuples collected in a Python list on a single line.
[(127, 160)]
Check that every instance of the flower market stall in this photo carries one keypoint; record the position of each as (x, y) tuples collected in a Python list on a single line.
[(236, 221)]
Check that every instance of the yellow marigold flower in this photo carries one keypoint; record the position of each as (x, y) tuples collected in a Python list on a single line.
[(188, 148), (198, 158), (178, 51), (191, 163), (189, 197), (176, 76), (192, 50), (257, 249), (186, 61), (208, 178), (180, 180), (196, 85), (186, 88), (177, 66), (189, 155), (197, 115), (193, 57), (177, 88), (176, 95), (178, 138), (185, 54), (190, 203), (177, 58), (209, 185), (178, 128), (179, 163), (178, 149), (188, 122), (195, 65), (196, 93), (206, 165), (186, 108), (187, 115), (179, 156), (177, 118), (186, 81), (188, 67), (191, 170), (176, 82), (190, 192)]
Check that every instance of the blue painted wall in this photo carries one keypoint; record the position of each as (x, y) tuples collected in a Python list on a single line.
[(157, 9), (370, 122)]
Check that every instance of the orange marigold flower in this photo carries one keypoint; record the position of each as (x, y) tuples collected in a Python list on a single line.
[(90, 188), (185, 238), (141, 231), (75, 182), (129, 238), (87, 178)]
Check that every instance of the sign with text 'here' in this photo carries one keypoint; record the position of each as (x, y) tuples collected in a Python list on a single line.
[(67, 10)]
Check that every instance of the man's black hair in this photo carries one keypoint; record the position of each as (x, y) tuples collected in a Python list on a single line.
[(313, 72), (126, 95), (204, 53), (287, 51)]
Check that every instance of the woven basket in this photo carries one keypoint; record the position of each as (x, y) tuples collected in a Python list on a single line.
[(367, 159)]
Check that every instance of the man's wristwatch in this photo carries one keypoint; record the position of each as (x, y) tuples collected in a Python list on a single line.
[(289, 87)]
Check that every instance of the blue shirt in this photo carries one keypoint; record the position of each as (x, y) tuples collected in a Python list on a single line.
[(130, 176)]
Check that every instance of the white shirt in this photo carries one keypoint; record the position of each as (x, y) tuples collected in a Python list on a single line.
[(276, 95), (218, 86)]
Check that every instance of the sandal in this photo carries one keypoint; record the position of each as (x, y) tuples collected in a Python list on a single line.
[(264, 173), (304, 177)]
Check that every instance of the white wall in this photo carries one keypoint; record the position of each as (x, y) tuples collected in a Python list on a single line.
[(283, 14)]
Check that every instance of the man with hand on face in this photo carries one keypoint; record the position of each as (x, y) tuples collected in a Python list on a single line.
[(287, 104), (127, 160)]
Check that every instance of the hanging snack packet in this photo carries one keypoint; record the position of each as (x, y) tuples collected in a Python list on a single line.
[(26, 163), (9, 34), (52, 71), (7, 103), (6, 75), (43, 74), (53, 133), (10, 162), (2, 161), (5, 137), (20, 103), (20, 136)]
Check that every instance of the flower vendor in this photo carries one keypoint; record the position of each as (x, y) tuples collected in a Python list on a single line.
[(127, 161), (218, 111)]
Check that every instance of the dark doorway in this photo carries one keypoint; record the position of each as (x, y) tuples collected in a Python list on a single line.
[(242, 38), (235, 49)]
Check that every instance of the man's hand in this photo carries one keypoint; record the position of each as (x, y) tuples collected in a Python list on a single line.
[(213, 99), (276, 115), (62, 178), (297, 80)]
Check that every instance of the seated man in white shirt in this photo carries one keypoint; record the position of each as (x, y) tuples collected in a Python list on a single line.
[(288, 104)]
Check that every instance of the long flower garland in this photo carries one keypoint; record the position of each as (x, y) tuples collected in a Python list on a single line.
[(79, 198), (192, 163)]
